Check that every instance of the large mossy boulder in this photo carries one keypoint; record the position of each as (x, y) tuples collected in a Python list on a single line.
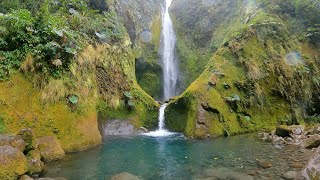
[(29, 138), (16, 142), (13, 163), (35, 166), (50, 148)]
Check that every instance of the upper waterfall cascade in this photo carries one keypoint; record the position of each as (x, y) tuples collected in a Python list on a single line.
[(170, 66)]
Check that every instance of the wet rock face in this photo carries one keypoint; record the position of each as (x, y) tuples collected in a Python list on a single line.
[(138, 15), (50, 148), (13, 163), (120, 127), (189, 15)]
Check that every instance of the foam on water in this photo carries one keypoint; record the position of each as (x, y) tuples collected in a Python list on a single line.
[(161, 131)]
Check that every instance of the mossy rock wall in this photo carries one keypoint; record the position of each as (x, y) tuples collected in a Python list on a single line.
[(115, 71), (201, 28), (143, 22), (250, 83), (99, 75)]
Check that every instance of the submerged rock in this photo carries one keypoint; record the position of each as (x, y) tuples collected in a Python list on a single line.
[(125, 176), (264, 163), (50, 148), (290, 175), (13, 163), (225, 173)]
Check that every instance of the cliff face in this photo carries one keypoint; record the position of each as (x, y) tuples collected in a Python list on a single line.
[(142, 20), (260, 73), (201, 27)]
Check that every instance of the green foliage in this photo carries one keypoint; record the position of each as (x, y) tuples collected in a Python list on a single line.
[(53, 34), (313, 120), (73, 99), (306, 13)]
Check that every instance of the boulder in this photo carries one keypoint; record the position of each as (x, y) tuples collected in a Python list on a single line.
[(25, 177), (49, 178), (50, 148), (28, 136), (312, 142), (35, 166), (264, 163), (283, 131), (297, 129), (16, 142), (143, 130), (290, 175), (265, 136), (35, 154), (125, 176), (312, 169), (278, 141), (13, 163)]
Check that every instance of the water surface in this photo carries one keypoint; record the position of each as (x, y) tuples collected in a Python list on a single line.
[(175, 157)]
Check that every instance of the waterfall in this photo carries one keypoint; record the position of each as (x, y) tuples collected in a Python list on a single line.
[(170, 69), (161, 117), (161, 131), (169, 65)]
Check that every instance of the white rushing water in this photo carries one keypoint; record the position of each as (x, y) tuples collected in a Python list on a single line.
[(161, 131), (170, 66), (170, 69)]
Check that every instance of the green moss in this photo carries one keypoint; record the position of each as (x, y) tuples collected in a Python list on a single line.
[(2, 125), (156, 31), (149, 77), (252, 71)]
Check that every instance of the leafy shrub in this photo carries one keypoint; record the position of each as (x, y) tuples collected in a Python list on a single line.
[(52, 35)]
